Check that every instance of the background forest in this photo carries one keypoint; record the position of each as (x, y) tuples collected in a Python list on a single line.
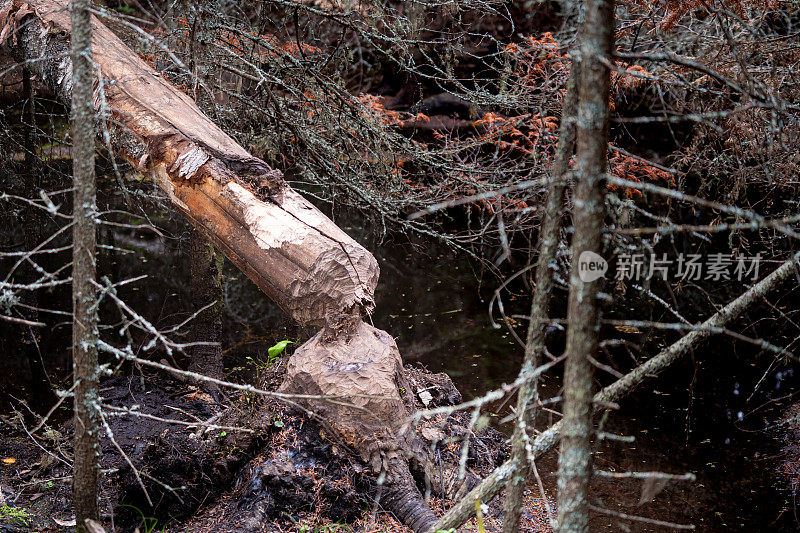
[(472, 147)]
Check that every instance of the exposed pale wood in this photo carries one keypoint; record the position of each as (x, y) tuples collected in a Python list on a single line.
[(294, 253), (355, 369), (356, 372)]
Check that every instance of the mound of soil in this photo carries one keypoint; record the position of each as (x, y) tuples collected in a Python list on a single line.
[(284, 472), (152, 424)]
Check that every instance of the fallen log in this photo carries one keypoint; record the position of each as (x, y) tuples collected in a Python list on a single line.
[(294, 253), (313, 270)]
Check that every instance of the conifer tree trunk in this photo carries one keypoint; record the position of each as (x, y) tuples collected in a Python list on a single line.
[(528, 393), (583, 311), (84, 294)]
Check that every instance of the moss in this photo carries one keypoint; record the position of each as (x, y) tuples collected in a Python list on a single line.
[(14, 515)]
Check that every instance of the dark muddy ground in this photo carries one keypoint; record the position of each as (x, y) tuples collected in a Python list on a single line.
[(286, 474), (174, 460)]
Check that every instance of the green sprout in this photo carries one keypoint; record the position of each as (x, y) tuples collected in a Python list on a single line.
[(278, 349)]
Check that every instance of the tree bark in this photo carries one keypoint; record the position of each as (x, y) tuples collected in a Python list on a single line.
[(496, 481), (28, 119), (356, 373), (84, 295), (528, 392), (206, 328), (583, 311)]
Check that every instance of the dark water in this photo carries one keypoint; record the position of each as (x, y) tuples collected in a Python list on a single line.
[(437, 308), (707, 415), (713, 414)]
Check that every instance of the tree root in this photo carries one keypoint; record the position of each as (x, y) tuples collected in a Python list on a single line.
[(401, 497)]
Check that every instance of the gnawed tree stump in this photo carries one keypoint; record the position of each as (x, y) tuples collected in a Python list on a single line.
[(301, 476), (314, 271), (357, 371)]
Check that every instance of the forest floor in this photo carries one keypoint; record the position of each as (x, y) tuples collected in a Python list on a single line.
[(282, 474), (285, 474)]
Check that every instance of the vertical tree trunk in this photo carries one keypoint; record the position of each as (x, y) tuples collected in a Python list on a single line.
[(583, 313), (206, 273), (84, 294), (528, 392)]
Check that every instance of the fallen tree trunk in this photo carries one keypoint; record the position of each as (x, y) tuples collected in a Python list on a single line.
[(494, 483), (314, 271), (294, 253)]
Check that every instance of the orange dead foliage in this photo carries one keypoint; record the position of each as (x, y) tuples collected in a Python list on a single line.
[(537, 63), (375, 109), (538, 58), (677, 9), (247, 45), (633, 169), (524, 133), (264, 46)]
